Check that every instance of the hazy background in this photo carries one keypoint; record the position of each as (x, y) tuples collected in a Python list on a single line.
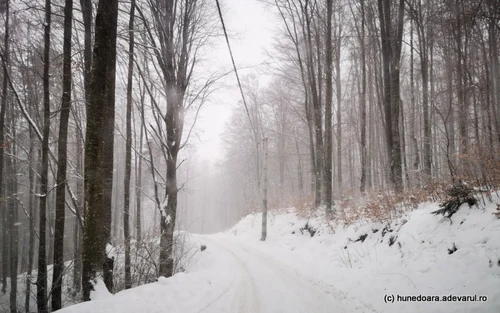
[(251, 26)]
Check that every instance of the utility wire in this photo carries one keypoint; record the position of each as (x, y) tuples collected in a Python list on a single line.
[(235, 69)]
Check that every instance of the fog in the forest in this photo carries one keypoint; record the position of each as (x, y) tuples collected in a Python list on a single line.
[(126, 125)]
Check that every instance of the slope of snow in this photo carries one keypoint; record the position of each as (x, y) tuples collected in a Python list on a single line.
[(417, 263), (184, 292)]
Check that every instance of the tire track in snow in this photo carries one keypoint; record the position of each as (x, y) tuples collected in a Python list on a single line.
[(246, 300), (217, 298), (267, 285), (312, 299), (316, 289)]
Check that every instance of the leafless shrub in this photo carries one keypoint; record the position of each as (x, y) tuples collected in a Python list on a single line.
[(144, 257)]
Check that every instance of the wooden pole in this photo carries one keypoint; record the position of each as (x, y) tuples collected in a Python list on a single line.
[(264, 198)]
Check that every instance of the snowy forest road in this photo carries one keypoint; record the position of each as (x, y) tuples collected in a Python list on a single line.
[(231, 275), (263, 284)]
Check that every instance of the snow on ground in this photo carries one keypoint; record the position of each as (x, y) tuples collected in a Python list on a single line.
[(181, 293), (332, 271), (417, 263)]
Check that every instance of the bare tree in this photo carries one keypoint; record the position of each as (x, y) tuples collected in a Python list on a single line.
[(128, 148), (328, 106), (362, 98), (98, 146), (13, 218), (3, 109), (419, 12), (41, 281), (391, 30), (62, 150), (176, 35)]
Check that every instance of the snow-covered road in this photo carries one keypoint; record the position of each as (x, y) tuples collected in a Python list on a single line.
[(264, 284), (231, 276)]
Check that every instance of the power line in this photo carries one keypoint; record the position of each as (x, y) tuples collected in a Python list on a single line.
[(235, 69)]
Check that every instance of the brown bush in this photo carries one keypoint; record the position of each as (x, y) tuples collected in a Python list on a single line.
[(303, 205), (385, 206)]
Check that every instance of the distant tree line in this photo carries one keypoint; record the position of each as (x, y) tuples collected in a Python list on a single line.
[(369, 96)]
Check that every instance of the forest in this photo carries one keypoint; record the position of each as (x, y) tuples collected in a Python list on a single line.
[(369, 103)]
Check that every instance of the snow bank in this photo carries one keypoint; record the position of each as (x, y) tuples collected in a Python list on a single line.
[(186, 291), (100, 291), (413, 255)]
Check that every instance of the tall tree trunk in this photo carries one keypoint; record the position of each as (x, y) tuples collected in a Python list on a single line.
[(362, 99), (11, 195), (391, 51), (416, 161), (403, 147), (462, 117), (77, 230), (424, 64), (281, 120), (316, 108), (173, 58), (338, 88), (41, 282), (488, 97), (31, 204), (423, 36), (99, 149), (169, 213), (50, 219), (3, 109), (138, 188), (128, 149), (117, 214), (432, 107), (328, 107), (300, 174), (62, 151), (168, 217), (23, 263), (108, 151), (310, 132), (494, 62), (86, 7), (385, 29), (371, 176), (450, 123)]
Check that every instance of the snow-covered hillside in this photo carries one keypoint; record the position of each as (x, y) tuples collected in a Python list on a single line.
[(411, 256), (338, 269)]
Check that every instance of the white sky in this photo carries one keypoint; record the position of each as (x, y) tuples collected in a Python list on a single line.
[(251, 26)]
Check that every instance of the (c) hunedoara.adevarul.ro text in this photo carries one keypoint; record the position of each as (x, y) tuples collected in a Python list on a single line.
[(431, 298)]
